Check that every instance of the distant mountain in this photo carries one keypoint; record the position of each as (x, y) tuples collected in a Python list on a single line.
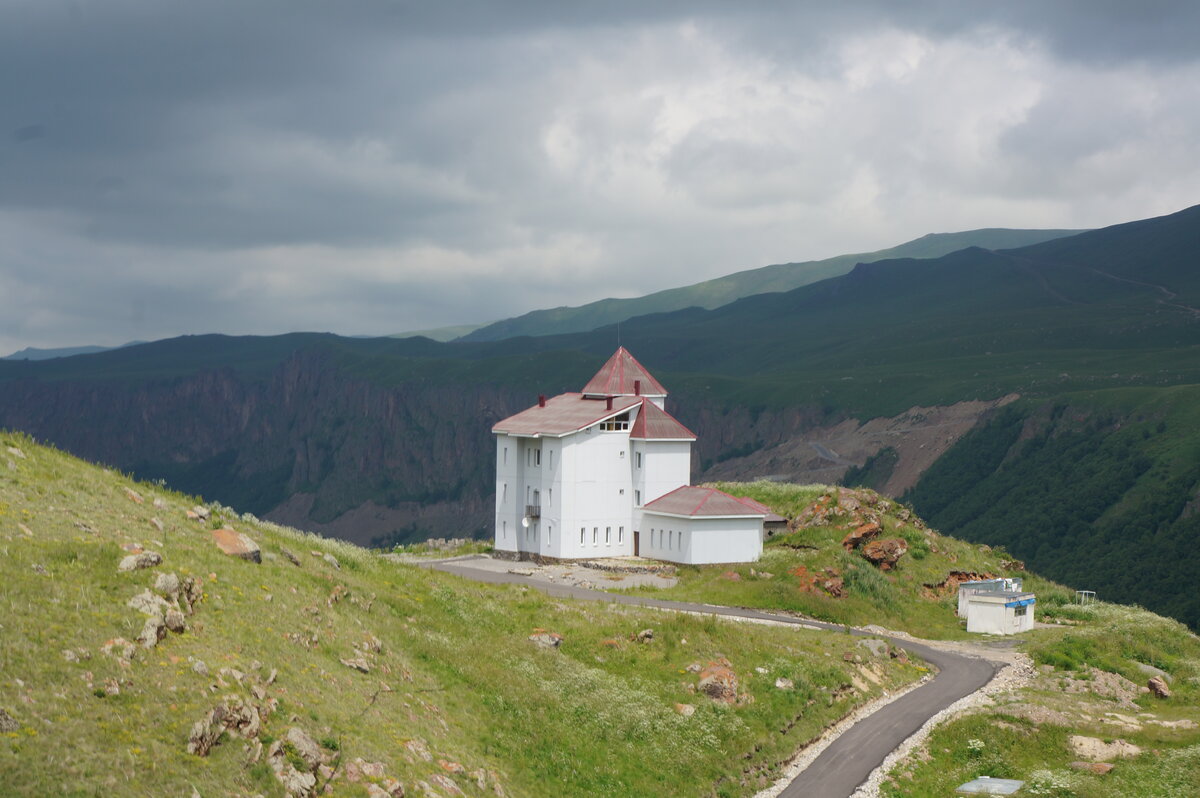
[(1089, 468), (441, 333), (33, 353), (723, 290)]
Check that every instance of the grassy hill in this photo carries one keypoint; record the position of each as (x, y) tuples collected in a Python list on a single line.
[(767, 279), (388, 671), (1090, 663)]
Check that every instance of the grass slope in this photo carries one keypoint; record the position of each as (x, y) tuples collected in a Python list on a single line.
[(451, 668), (1089, 660)]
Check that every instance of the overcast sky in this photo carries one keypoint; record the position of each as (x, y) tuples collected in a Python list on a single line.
[(369, 167)]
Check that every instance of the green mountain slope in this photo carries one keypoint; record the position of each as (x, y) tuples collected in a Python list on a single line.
[(723, 290), (351, 669)]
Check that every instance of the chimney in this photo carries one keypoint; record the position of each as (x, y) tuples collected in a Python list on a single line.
[(610, 403), (541, 400), (637, 387)]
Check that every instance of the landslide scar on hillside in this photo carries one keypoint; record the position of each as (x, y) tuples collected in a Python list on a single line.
[(919, 436)]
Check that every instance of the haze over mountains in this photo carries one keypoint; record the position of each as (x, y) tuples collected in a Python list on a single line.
[(1055, 385)]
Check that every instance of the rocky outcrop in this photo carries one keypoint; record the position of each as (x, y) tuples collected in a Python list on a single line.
[(1158, 686), (949, 585), (543, 639), (237, 544), (861, 535), (719, 682), (884, 554), (233, 715), (135, 562)]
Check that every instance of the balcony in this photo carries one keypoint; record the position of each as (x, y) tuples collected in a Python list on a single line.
[(533, 511)]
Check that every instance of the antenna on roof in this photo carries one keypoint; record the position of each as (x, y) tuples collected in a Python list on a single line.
[(618, 333)]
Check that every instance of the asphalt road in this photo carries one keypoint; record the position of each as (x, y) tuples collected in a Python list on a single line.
[(848, 760)]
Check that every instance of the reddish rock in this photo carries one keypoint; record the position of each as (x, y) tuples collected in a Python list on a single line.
[(861, 535), (134, 496), (1158, 686), (884, 554), (719, 682), (544, 639), (235, 544), (949, 585), (732, 576), (1099, 768)]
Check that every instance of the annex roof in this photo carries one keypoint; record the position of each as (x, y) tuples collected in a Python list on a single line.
[(654, 424), (617, 377), (772, 517), (564, 414), (696, 502)]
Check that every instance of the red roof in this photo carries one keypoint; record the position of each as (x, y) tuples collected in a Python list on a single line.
[(563, 414), (616, 378), (771, 515), (654, 423), (694, 501)]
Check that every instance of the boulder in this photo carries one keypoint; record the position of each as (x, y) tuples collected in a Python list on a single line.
[(306, 747), (236, 544), (135, 562), (544, 639), (644, 636), (784, 684), (200, 512), (878, 648), (174, 621), (884, 554), (860, 536), (8, 723), (329, 558), (1158, 686), (358, 663), (292, 558), (167, 584), (148, 604), (834, 585), (296, 783), (1096, 750), (134, 496), (153, 631), (232, 715), (687, 710), (719, 682)]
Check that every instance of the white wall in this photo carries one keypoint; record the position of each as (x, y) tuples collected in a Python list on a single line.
[(988, 615), (700, 541), (666, 465), (597, 495)]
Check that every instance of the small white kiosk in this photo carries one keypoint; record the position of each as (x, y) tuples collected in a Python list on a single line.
[(1000, 612)]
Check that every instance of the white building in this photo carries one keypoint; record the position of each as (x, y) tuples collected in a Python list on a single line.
[(579, 475), (999, 612)]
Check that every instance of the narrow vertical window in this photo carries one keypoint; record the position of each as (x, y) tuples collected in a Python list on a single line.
[(595, 535), (620, 535), (549, 497), (549, 533), (505, 455), (551, 458), (503, 492), (582, 532), (637, 498), (608, 536), (638, 458), (503, 529), (537, 457)]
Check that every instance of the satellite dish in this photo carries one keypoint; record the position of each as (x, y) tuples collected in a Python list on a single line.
[(525, 522)]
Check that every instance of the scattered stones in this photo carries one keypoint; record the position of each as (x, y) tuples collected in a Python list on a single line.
[(1099, 768), (1096, 750), (292, 558), (233, 715), (719, 682), (135, 562), (236, 544), (329, 558), (7, 722), (451, 767), (297, 783), (1158, 686), (860, 536), (687, 710), (200, 667), (134, 496), (446, 783), (358, 664), (644, 636), (112, 687), (76, 655), (884, 554), (305, 746), (157, 524), (544, 639)]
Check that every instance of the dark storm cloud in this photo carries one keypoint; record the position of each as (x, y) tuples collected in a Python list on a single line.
[(172, 167)]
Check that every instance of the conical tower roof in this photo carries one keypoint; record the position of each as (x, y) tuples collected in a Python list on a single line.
[(618, 375)]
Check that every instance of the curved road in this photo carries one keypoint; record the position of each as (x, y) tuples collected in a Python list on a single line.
[(849, 759)]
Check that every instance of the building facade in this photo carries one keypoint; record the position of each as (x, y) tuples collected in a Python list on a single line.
[(576, 473)]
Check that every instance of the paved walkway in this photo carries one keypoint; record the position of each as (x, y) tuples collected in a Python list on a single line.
[(849, 760)]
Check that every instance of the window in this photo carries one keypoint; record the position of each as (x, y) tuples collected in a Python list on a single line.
[(637, 498), (608, 536), (537, 457), (637, 459), (505, 455), (504, 529), (616, 424), (582, 532), (551, 458), (622, 454), (503, 492), (595, 535), (528, 457), (1019, 612), (549, 497), (549, 533), (671, 539), (620, 535)]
